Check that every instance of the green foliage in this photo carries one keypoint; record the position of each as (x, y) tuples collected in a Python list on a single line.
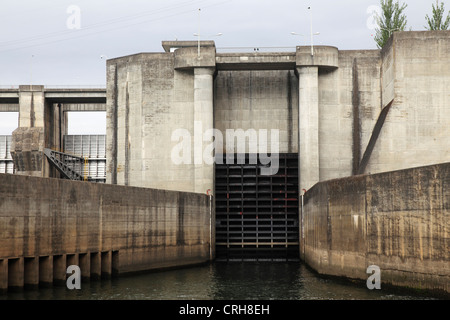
[(436, 22), (392, 19)]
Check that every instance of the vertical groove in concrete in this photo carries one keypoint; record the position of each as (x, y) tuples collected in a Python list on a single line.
[(127, 135), (114, 137), (356, 147), (289, 108), (32, 113)]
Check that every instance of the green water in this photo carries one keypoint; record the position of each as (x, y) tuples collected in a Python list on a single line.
[(219, 281)]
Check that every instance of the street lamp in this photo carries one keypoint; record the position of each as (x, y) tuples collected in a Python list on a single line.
[(302, 35), (389, 30), (198, 36), (312, 34)]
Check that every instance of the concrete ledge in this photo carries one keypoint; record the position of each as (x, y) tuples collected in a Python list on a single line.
[(256, 61), (324, 57), (187, 58)]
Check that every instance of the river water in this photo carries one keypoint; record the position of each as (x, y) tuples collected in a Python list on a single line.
[(219, 281)]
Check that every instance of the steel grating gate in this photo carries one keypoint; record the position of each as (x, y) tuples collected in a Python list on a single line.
[(257, 215), (92, 147)]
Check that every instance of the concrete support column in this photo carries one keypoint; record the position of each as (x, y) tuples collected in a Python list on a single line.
[(15, 273), (106, 260), (46, 270), (59, 269), (96, 265), (3, 275), (203, 121), (84, 260), (31, 271), (308, 126), (39, 127)]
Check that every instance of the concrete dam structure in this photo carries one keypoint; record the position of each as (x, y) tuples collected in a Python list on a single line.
[(260, 134)]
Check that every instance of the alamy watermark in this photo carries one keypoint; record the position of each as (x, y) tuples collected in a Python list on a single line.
[(374, 280), (74, 19), (74, 280), (191, 150)]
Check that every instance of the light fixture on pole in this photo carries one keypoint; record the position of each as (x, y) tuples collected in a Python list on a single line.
[(312, 34), (198, 36), (389, 30), (31, 71)]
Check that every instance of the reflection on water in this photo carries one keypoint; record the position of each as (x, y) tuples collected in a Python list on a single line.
[(218, 281)]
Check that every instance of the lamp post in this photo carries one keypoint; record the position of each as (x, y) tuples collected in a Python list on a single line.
[(31, 71), (312, 34), (198, 36), (302, 35), (389, 30)]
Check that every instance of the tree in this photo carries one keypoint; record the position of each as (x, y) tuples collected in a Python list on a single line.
[(436, 22), (392, 19)]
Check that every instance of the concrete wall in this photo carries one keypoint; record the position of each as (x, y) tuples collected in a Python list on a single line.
[(128, 229), (396, 220), (259, 99), (416, 77), (327, 107), (148, 99)]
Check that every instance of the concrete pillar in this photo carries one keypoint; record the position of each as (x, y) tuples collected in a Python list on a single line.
[(39, 127), (59, 270), (106, 264), (203, 121), (308, 126), (15, 273), (96, 265), (84, 260), (46, 271), (31, 272), (115, 263), (3, 275)]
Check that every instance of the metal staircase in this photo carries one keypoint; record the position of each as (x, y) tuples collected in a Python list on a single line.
[(71, 167)]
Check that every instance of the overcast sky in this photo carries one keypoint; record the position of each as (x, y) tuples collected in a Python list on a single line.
[(60, 42)]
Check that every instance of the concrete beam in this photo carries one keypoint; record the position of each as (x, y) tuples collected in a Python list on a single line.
[(171, 46), (256, 61), (9, 107), (76, 95), (83, 107)]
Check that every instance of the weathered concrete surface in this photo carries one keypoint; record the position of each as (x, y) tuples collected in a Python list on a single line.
[(141, 229), (258, 100), (398, 221), (415, 78)]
